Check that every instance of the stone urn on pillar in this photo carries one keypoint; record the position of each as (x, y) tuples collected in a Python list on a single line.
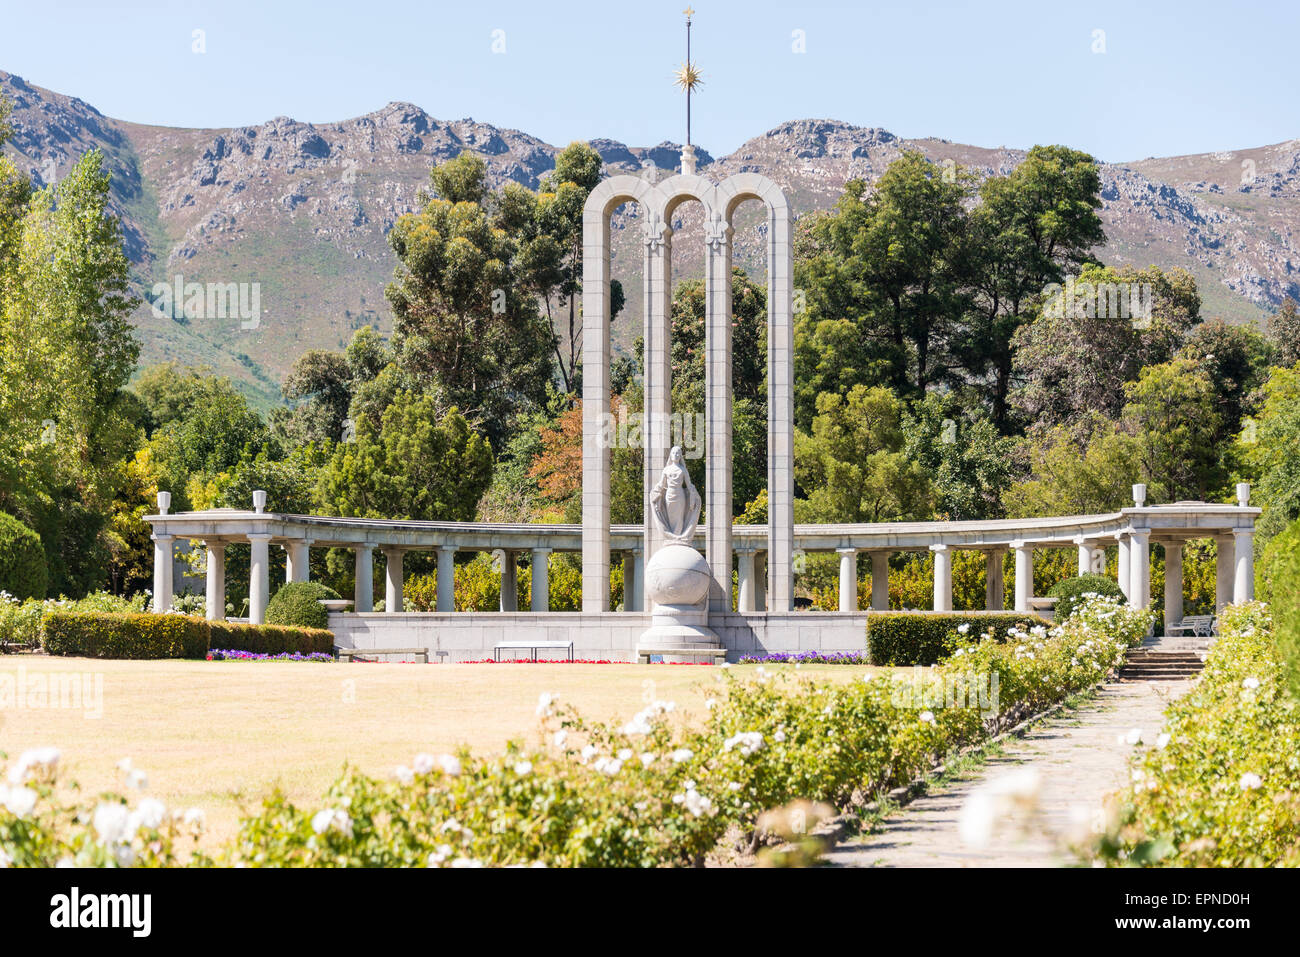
[(677, 577)]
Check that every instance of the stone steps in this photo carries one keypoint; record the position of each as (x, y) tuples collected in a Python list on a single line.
[(1149, 664)]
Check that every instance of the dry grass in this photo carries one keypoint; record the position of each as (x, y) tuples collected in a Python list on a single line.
[(221, 735)]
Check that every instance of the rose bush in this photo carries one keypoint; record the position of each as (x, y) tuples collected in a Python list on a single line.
[(1220, 787)]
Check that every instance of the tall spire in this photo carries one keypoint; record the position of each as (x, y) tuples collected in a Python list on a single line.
[(688, 78)]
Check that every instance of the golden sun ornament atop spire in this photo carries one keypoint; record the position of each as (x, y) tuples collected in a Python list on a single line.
[(688, 76)]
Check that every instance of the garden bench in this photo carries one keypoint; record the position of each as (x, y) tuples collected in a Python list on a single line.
[(643, 652), (1202, 626), (347, 654), (531, 646)]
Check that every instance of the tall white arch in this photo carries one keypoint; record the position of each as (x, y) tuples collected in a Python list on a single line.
[(658, 203)]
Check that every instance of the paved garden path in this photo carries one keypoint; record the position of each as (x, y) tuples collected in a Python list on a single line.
[(1078, 760)]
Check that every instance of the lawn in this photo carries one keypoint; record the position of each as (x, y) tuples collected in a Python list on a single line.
[(218, 735)]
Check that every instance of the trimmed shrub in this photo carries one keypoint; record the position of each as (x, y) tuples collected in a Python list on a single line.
[(22, 560), (1069, 593), (922, 638), (148, 636), (270, 639), (298, 604), (101, 635)]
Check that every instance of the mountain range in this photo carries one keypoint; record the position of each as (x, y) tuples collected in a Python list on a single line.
[(302, 210)]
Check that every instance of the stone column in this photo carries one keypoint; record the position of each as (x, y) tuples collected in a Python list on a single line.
[(1139, 567), (880, 581), (942, 577), (995, 596), (634, 579), (446, 579), (760, 580), (216, 610), (162, 572), (541, 596), (1243, 548), (656, 434), (595, 408), (1225, 572), (363, 592), (1173, 585), (780, 404), (393, 579), (1085, 556), (297, 567), (717, 489), (259, 578), (1122, 573), (509, 581), (1024, 575), (848, 578), (745, 583)]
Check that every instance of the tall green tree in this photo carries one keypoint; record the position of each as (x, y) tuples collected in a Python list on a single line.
[(548, 227), (1029, 230), (1270, 450), (467, 329), (852, 467), (1074, 357), (418, 465), (890, 261), (66, 352), (1284, 332)]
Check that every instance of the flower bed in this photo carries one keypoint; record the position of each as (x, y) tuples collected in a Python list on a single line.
[(808, 658), (648, 792), (566, 661), (232, 654), (1220, 787)]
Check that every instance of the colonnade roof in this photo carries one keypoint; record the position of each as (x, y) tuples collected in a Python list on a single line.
[(1180, 521)]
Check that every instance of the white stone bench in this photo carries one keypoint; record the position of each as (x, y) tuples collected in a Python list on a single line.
[(643, 652), (531, 646), (1201, 626), (347, 654)]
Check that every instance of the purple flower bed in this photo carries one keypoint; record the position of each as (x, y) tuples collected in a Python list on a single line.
[(808, 658), (226, 654)]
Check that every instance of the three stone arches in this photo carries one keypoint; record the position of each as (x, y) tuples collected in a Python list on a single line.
[(658, 202)]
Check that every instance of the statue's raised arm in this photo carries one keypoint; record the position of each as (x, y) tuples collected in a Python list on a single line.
[(674, 500)]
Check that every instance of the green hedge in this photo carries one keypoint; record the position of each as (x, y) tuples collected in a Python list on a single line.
[(91, 635), (270, 639), (922, 638), (145, 636), (1069, 593), (22, 560), (298, 604)]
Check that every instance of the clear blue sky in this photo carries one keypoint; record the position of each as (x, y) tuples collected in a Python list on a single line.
[(1174, 78)]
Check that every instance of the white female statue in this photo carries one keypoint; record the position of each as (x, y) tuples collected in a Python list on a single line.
[(675, 502)]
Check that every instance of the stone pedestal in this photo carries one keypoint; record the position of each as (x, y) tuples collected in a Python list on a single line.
[(677, 582)]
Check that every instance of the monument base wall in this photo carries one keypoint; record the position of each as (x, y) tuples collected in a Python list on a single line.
[(611, 636)]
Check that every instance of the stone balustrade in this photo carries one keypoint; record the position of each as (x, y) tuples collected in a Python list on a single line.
[(1134, 530)]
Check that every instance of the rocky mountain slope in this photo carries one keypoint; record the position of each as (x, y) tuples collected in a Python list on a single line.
[(302, 210)]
